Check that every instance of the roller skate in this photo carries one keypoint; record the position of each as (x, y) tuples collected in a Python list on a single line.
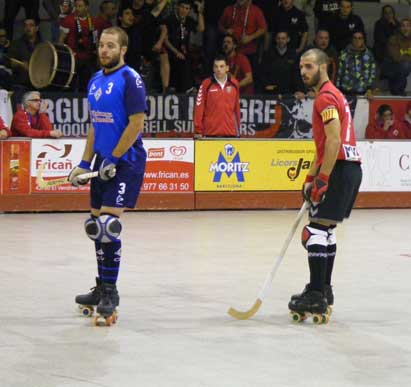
[(106, 308), (88, 301), (310, 302), (328, 294)]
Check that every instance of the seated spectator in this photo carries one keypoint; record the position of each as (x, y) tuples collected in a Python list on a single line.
[(280, 68), (180, 26), (356, 67), (20, 52), (386, 26), (397, 65), (134, 52), (107, 15), (385, 126), (289, 18), (4, 130), (322, 41), (325, 10), (239, 65), (12, 8), (342, 26), (407, 121), (247, 24), (80, 32), (6, 73), (31, 120)]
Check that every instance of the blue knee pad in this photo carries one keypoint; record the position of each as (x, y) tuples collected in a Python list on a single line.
[(106, 228)]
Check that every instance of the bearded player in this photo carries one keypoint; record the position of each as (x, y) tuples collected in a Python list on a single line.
[(331, 185), (117, 103)]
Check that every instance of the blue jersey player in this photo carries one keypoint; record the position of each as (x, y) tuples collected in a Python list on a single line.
[(117, 103)]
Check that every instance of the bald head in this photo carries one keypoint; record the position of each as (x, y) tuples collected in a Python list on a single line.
[(318, 56)]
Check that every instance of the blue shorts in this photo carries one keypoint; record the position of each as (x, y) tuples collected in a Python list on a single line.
[(123, 189)]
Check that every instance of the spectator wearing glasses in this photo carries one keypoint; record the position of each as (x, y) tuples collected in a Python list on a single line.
[(32, 120)]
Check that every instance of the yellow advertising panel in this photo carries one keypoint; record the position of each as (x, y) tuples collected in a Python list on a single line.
[(241, 165)]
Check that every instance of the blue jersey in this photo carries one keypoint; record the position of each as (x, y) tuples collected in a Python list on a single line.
[(112, 99)]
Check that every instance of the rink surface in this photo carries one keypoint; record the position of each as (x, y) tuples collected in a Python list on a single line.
[(180, 273)]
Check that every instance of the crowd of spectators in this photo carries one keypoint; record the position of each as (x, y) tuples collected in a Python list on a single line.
[(173, 44), (262, 39)]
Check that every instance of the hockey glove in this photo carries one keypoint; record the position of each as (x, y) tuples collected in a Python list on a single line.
[(319, 188), (83, 167), (108, 168), (306, 189)]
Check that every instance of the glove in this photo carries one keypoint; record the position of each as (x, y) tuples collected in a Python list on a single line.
[(108, 168), (83, 167), (306, 189), (319, 188)]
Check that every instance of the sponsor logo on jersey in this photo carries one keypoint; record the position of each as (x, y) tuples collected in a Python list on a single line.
[(98, 93), (156, 153), (104, 117), (229, 163)]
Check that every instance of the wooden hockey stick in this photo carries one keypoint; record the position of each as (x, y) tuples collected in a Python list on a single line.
[(41, 183), (253, 310)]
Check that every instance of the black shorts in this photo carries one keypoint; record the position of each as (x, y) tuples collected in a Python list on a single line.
[(343, 187)]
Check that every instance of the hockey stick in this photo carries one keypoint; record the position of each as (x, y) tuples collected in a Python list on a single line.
[(253, 310), (41, 183)]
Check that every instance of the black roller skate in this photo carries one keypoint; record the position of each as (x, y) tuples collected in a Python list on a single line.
[(310, 302), (106, 309), (88, 301), (328, 294)]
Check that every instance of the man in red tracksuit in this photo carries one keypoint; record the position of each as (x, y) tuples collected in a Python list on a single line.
[(31, 121), (217, 107)]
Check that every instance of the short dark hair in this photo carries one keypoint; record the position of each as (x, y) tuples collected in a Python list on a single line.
[(86, 2), (233, 38), (188, 2), (104, 3), (221, 57), (384, 108), (121, 35)]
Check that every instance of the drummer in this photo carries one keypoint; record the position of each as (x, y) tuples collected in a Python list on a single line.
[(20, 52)]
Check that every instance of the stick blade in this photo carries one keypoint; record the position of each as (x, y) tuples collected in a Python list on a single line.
[(247, 314)]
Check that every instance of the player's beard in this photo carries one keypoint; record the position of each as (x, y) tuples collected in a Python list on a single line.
[(315, 80), (113, 63)]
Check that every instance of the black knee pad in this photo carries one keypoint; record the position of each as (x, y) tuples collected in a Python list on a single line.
[(314, 234)]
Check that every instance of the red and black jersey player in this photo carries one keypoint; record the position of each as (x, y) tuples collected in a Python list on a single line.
[(332, 183)]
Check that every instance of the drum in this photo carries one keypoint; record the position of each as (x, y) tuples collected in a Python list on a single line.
[(52, 64)]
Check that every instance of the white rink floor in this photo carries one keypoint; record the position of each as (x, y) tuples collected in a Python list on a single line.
[(181, 271)]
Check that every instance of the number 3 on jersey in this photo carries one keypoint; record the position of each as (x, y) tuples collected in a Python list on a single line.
[(109, 87)]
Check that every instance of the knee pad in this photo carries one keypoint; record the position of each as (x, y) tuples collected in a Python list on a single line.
[(332, 238), (313, 234), (90, 226), (106, 228)]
